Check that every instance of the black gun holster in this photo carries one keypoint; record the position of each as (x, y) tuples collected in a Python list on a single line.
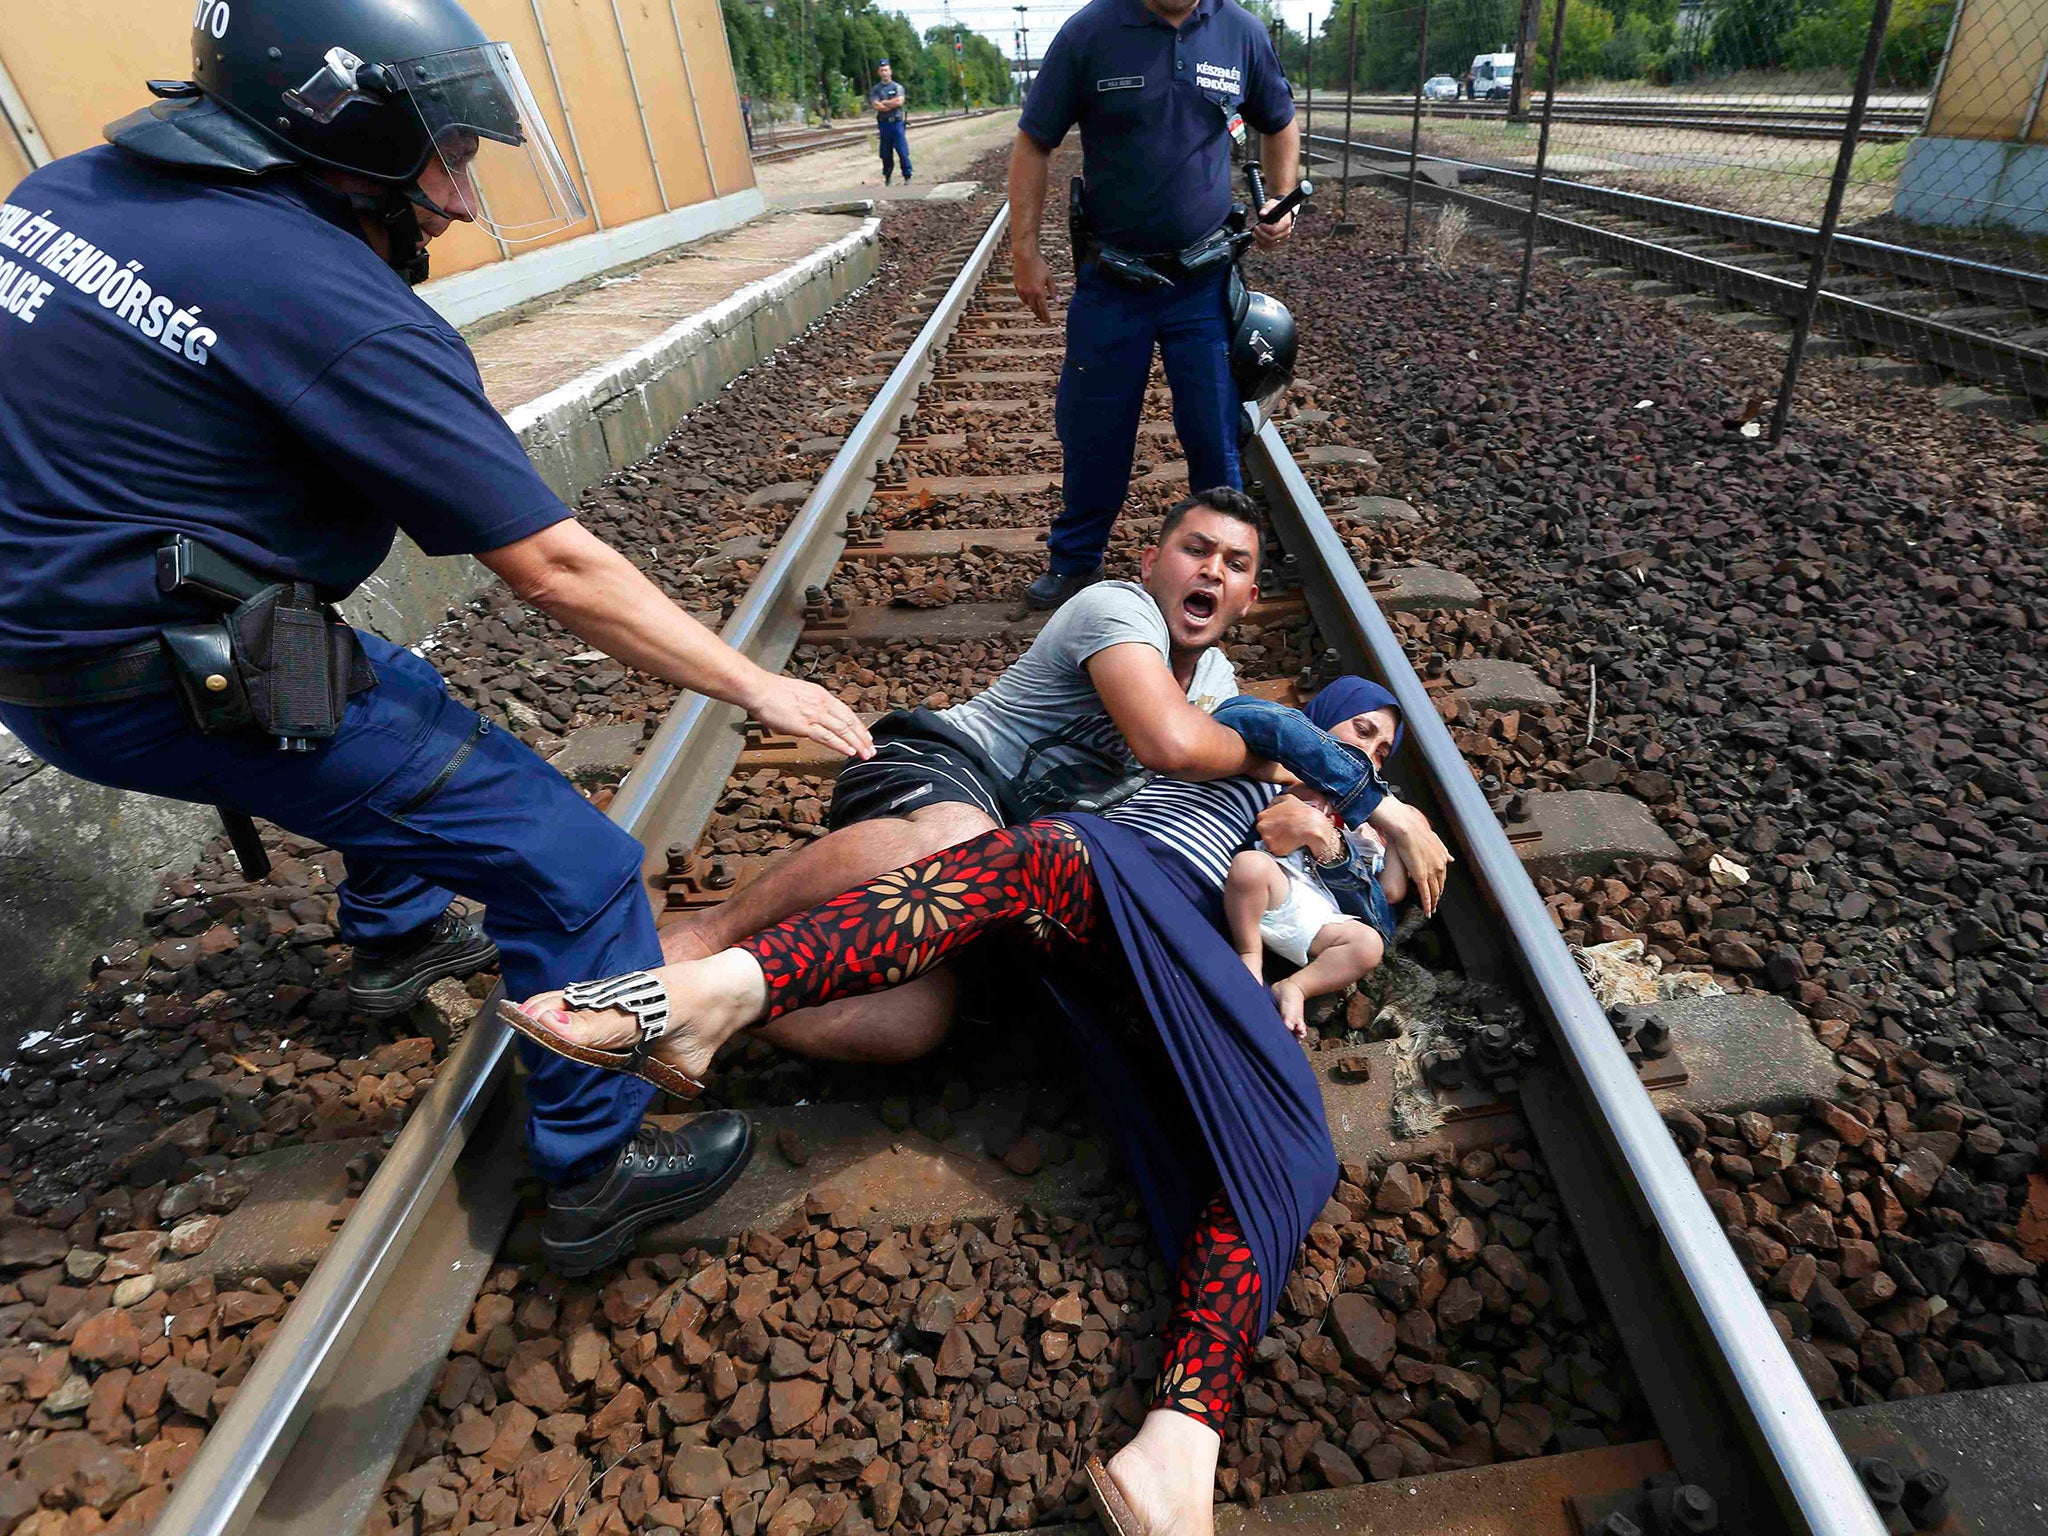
[(278, 660)]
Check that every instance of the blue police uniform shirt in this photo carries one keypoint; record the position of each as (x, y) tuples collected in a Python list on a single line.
[(1154, 103), (229, 360), (893, 90)]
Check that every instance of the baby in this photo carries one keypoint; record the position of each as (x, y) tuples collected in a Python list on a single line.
[(1285, 905)]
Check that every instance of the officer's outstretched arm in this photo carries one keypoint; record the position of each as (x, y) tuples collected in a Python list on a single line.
[(597, 594)]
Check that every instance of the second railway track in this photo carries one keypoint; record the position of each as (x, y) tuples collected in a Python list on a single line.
[(1977, 320), (309, 1438)]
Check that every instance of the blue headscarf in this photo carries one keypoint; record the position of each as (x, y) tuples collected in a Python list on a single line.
[(1348, 696)]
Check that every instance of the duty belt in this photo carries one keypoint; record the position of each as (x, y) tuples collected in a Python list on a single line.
[(134, 672), (1160, 269)]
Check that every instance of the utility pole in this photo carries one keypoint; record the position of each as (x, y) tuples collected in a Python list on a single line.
[(1024, 37), (1525, 62)]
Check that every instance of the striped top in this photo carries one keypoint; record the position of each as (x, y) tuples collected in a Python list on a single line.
[(1206, 824)]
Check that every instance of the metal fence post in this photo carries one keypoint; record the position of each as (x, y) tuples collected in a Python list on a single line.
[(1542, 156), (1344, 224), (1802, 324), (1308, 74), (1415, 125)]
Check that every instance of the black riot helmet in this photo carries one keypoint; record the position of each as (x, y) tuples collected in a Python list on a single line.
[(1262, 347), (382, 89)]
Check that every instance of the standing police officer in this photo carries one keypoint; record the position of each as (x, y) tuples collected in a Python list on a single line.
[(220, 398), (1161, 89), (886, 101)]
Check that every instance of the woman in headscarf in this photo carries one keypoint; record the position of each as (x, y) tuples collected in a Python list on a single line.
[(1218, 1111), (1333, 930)]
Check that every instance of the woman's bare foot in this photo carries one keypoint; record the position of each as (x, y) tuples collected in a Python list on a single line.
[(710, 1001), (1293, 1004), (1167, 1474)]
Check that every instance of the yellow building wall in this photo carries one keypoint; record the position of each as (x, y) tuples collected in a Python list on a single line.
[(13, 163), (1994, 67), (81, 64), (718, 92)]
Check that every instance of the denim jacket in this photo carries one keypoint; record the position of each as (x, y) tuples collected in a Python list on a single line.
[(1289, 738)]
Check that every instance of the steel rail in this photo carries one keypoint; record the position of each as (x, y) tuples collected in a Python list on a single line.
[(2013, 285), (1787, 127), (834, 138), (1795, 1454), (776, 594), (224, 1490), (1997, 359)]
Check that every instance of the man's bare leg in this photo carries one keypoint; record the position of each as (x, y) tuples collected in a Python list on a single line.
[(818, 871), (880, 1028)]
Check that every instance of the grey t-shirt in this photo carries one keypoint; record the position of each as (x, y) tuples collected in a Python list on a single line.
[(881, 94), (1042, 723)]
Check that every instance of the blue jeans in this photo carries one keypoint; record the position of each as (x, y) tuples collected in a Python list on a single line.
[(1291, 739), (560, 882), (897, 142), (1111, 331)]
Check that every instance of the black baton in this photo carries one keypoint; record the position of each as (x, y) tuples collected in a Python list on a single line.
[(249, 850)]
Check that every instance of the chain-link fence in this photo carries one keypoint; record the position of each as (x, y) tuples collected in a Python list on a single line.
[(1874, 172)]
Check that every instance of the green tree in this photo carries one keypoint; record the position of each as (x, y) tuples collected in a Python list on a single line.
[(1588, 30), (1833, 38), (822, 54)]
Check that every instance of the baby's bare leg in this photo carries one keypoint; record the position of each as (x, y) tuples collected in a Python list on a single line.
[(1255, 886), (1338, 956)]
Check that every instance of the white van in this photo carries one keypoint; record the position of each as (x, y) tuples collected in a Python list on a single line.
[(1492, 76)]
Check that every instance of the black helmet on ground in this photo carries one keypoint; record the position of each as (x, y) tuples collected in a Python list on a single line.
[(387, 91), (1262, 348)]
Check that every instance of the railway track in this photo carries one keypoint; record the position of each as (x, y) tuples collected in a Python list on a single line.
[(1881, 124), (789, 146), (1983, 322), (309, 1437)]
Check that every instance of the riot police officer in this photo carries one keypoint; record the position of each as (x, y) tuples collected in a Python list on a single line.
[(1161, 90), (220, 399)]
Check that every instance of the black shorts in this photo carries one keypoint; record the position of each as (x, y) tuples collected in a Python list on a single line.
[(918, 761)]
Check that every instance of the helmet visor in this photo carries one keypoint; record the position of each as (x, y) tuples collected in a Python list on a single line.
[(491, 143)]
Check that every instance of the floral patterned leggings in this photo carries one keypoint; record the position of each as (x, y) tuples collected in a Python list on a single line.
[(1033, 882)]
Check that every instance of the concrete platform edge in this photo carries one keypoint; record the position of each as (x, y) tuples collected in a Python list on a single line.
[(620, 411)]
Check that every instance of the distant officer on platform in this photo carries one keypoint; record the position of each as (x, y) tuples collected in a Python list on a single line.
[(1161, 90), (886, 99), (219, 399)]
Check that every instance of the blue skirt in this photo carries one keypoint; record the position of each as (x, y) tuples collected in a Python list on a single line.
[(1247, 1111)]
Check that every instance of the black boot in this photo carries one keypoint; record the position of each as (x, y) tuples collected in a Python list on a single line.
[(390, 978), (1055, 587), (657, 1176)]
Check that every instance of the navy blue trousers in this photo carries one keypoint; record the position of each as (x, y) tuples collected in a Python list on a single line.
[(559, 881), (1111, 331), (897, 142)]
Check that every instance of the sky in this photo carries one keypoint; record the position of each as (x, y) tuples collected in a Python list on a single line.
[(998, 22)]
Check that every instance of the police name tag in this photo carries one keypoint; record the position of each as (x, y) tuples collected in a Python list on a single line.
[(1121, 83)]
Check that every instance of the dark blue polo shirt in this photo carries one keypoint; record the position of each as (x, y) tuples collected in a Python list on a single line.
[(881, 93), (231, 361), (1154, 104)]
